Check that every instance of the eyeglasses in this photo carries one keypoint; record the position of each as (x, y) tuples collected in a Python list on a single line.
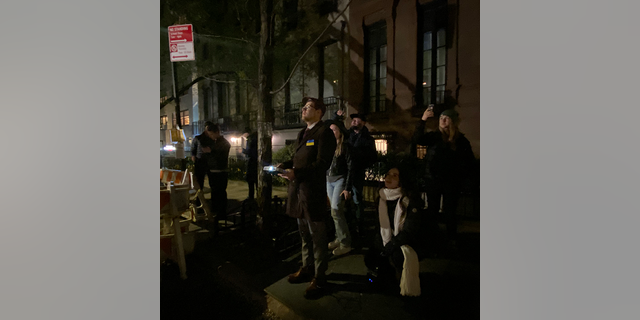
[(307, 107)]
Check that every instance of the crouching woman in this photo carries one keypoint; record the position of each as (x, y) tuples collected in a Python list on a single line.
[(394, 258)]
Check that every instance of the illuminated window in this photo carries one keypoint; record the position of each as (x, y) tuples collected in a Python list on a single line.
[(381, 146), (163, 122), (184, 117), (421, 151)]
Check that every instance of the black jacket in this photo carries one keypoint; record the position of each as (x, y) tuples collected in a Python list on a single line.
[(219, 157), (200, 141), (341, 166), (363, 151), (307, 194), (444, 163), (413, 232), (252, 154)]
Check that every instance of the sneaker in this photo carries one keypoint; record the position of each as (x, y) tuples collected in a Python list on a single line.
[(341, 250), (334, 244)]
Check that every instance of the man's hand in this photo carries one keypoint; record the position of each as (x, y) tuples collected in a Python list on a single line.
[(428, 113), (346, 194), (206, 149), (339, 112), (288, 174)]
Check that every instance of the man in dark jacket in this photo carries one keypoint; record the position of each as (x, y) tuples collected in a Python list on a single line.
[(217, 163), (307, 194), (210, 154), (363, 155), (200, 152), (251, 151)]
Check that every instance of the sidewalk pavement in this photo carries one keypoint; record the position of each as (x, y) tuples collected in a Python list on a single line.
[(229, 275)]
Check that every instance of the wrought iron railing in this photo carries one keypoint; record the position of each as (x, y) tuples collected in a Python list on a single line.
[(284, 118), (292, 116)]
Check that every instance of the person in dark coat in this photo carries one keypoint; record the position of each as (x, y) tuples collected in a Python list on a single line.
[(363, 155), (200, 153), (218, 165), (400, 223), (251, 151), (449, 160), (307, 194)]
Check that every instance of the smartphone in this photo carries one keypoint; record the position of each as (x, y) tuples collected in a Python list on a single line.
[(272, 169)]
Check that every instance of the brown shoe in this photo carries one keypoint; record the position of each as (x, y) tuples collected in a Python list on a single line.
[(303, 275), (315, 289)]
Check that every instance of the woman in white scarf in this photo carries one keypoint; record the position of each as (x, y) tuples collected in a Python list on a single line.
[(400, 231)]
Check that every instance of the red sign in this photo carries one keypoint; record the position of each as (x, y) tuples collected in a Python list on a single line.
[(181, 43)]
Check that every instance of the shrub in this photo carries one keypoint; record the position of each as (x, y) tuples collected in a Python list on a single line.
[(237, 169), (284, 154), (175, 163)]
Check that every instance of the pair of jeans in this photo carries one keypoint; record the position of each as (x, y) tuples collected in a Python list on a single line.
[(337, 211)]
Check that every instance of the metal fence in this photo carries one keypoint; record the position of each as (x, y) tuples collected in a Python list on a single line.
[(292, 118), (285, 118)]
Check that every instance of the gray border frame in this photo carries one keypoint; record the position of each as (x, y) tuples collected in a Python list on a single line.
[(79, 121), (559, 171), (559, 168)]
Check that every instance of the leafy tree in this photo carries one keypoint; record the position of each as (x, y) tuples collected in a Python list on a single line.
[(254, 40)]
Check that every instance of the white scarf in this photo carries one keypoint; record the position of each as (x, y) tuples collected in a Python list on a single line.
[(410, 280), (383, 215)]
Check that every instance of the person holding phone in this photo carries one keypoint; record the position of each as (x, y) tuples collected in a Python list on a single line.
[(449, 159), (307, 194), (339, 184)]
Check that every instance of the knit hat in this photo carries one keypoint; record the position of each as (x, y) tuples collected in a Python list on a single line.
[(359, 115), (451, 114)]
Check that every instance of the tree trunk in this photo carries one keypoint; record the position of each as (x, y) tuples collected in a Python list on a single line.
[(265, 109)]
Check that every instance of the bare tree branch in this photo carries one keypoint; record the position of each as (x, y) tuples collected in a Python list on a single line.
[(311, 46)]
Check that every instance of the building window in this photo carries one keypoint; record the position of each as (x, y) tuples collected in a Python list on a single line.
[(434, 53), (376, 66), (421, 151), (163, 122), (381, 146), (184, 117)]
